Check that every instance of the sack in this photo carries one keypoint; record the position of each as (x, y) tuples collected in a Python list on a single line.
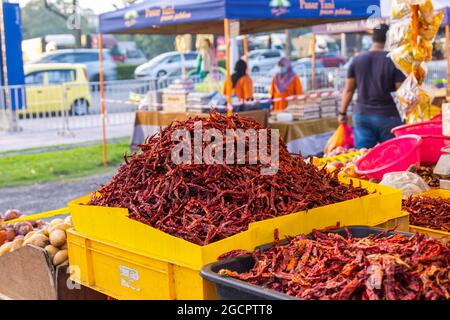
[(409, 183), (343, 137)]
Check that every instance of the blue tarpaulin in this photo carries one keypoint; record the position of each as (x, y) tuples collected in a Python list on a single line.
[(446, 20), (206, 16)]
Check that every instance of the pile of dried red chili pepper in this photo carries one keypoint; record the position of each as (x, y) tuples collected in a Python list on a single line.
[(204, 203), (428, 212), (327, 266)]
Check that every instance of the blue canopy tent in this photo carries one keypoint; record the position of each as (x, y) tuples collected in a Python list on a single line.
[(207, 16)]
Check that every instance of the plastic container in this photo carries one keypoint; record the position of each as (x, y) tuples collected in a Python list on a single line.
[(391, 156), (233, 289), (112, 226), (438, 234), (431, 148), (433, 127), (127, 274)]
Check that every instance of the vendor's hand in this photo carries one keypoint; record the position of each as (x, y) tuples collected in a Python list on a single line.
[(342, 119)]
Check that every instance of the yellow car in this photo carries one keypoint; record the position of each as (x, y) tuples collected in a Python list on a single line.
[(56, 88)]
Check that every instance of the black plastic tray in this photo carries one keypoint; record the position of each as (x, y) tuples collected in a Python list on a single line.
[(232, 289)]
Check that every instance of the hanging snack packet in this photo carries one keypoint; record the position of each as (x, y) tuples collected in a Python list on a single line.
[(427, 11), (405, 56), (409, 96), (400, 9), (399, 33), (429, 30)]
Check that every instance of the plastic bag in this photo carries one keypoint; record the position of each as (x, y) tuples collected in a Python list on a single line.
[(342, 137), (399, 33), (429, 30), (409, 183), (400, 9), (405, 56), (410, 98), (427, 11)]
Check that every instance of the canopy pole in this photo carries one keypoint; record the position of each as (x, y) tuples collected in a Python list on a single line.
[(313, 62), (447, 56), (227, 53), (246, 53), (102, 99)]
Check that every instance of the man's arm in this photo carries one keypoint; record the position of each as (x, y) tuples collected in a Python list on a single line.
[(347, 96)]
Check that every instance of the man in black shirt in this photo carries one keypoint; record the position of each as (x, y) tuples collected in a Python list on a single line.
[(374, 76)]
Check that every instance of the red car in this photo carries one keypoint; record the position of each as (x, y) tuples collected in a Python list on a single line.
[(330, 60)]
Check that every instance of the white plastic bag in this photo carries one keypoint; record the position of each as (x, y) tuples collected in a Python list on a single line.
[(409, 183)]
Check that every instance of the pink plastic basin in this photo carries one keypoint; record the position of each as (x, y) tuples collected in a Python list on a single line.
[(391, 156), (437, 118), (430, 149), (421, 129)]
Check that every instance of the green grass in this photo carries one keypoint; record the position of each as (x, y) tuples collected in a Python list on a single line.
[(49, 166)]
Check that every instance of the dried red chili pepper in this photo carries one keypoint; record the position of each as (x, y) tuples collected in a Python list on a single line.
[(428, 212), (204, 203), (328, 266)]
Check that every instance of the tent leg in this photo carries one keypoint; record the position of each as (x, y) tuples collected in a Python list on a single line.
[(246, 53), (102, 99), (447, 56), (228, 82), (313, 62)]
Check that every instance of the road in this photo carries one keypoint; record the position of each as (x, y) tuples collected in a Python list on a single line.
[(49, 196)]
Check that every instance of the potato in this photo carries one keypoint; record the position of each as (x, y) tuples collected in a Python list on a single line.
[(44, 232), (68, 220), (60, 257), (62, 226), (16, 244), (24, 228), (12, 214), (51, 251), (6, 248), (38, 240), (54, 222), (64, 247), (29, 234), (57, 237)]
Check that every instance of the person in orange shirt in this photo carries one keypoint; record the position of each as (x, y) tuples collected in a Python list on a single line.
[(241, 83), (284, 84)]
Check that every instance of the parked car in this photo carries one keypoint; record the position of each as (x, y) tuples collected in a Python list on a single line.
[(331, 60), (165, 63), (88, 57), (45, 91), (263, 60), (134, 56)]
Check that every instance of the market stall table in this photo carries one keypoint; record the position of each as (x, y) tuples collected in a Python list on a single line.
[(307, 137), (148, 123)]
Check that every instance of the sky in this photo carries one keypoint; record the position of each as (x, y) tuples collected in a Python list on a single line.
[(100, 6)]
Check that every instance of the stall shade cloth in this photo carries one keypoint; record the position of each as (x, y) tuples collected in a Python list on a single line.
[(206, 16)]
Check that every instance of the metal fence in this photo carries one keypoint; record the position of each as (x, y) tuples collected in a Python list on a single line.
[(68, 107)]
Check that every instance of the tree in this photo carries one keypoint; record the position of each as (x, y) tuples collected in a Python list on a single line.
[(69, 11)]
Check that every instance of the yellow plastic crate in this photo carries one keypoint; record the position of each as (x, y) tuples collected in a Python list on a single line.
[(112, 226), (129, 274), (401, 223), (344, 158), (438, 234)]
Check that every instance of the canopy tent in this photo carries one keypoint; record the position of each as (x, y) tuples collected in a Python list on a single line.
[(207, 16), (214, 16)]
